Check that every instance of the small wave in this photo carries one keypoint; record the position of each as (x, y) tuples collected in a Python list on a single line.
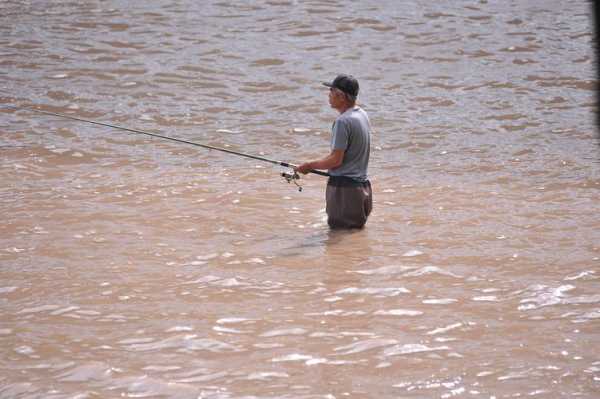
[(68, 309), (407, 349), (444, 329), (392, 291), (234, 320), (586, 274), (412, 253), (183, 342), (395, 269), (7, 290), (297, 357), (365, 345), (431, 270), (145, 386), (339, 312), (545, 296), (593, 315), (266, 375), (38, 309), (92, 371), (398, 312), (485, 298), (440, 301), (288, 331), (180, 329)]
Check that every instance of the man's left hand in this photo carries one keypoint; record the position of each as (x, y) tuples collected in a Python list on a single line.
[(304, 168)]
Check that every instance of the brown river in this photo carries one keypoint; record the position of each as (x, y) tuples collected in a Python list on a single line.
[(134, 267)]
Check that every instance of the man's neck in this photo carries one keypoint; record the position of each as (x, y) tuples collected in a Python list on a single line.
[(345, 108)]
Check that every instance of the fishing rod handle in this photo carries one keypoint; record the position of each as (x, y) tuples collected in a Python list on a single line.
[(318, 172)]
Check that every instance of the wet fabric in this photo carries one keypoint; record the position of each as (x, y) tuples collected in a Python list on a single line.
[(349, 202)]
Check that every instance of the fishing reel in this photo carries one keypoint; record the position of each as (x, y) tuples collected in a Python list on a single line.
[(292, 176)]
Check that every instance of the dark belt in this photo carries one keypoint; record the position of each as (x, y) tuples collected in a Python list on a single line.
[(343, 181)]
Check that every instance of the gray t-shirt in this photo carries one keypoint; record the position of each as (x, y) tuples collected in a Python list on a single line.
[(351, 132)]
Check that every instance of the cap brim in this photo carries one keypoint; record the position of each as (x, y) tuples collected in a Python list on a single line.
[(327, 84)]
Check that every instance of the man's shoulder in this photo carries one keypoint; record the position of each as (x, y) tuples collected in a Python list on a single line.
[(361, 112), (354, 117), (351, 113)]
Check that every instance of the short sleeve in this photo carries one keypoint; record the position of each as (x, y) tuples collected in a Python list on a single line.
[(341, 133)]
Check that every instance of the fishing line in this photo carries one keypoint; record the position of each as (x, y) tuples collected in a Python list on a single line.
[(290, 177)]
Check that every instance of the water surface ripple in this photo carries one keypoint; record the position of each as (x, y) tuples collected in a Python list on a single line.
[(135, 267)]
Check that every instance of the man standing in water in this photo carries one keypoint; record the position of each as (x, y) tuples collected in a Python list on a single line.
[(349, 197)]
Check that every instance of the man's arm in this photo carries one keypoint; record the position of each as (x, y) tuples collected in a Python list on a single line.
[(331, 161)]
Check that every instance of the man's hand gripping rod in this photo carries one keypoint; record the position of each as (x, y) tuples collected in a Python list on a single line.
[(293, 176)]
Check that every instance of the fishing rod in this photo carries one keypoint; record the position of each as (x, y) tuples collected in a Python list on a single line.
[(290, 177)]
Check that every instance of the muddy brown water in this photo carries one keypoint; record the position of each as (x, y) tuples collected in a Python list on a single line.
[(135, 267)]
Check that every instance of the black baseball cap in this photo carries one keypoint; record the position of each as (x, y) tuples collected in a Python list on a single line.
[(346, 83)]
